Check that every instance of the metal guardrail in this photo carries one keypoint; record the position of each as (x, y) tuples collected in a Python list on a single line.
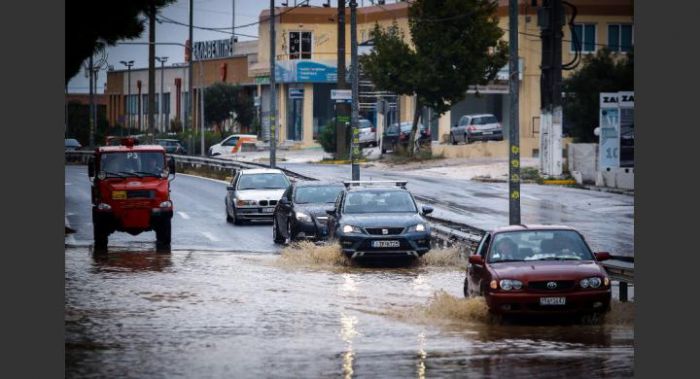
[(448, 232)]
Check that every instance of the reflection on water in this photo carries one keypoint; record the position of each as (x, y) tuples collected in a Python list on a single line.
[(139, 314)]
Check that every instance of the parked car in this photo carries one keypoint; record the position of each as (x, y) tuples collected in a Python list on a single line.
[(72, 144), (395, 135), (538, 269), (379, 221), (301, 212), (172, 146), (476, 127), (232, 144), (253, 194), (368, 133)]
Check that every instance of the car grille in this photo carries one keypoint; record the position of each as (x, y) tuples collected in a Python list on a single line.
[(143, 194), (562, 285), (380, 231), (265, 203), (136, 204)]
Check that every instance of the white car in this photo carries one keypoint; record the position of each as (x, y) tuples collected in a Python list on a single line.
[(253, 194), (228, 144), (368, 133)]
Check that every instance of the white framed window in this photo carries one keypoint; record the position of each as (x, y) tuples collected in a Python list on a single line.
[(586, 35), (300, 43), (620, 37)]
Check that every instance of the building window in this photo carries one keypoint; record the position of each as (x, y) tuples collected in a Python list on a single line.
[(586, 37), (144, 104), (166, 103), (299, 45), (620, 37)]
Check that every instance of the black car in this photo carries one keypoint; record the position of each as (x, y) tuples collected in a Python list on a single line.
[(379, 221), (395, 136), (172, 146), (301, 212)]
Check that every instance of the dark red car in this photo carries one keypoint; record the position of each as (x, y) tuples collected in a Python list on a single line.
[(538, 269)]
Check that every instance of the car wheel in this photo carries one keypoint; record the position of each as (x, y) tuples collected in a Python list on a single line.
[(452, 139), (466, 139), (466, 287), (276, 236), (228, 216), (289, 233), (236, 220), (100, 235), (163, 233)]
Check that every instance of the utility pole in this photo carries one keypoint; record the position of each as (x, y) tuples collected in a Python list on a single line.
[(151, 70), (273, 88), (201, 117), (342, 110), (128, 96), (162, 61), (92, 105), (551, 20), (189, 107), (233, 18), (355, 146), (514, 140)]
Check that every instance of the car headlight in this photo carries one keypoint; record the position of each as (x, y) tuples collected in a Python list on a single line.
[(417, 228), (351, 229), (243, 203), (101, 175), (301, 216), (593, 282), (510, 284), (104, 207), (166, 204)]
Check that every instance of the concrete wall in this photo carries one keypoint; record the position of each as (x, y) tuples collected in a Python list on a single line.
[(529, 147), (583, 161), (622, 178)]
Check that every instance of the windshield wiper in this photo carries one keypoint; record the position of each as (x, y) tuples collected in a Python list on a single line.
[(148, 173)]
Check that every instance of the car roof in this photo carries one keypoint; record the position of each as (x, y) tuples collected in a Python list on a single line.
[(252, 171), (168, 139), (121, 148), (375, 189), (316, 183), (534, 227)]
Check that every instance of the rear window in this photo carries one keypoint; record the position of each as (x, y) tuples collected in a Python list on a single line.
[(484, 120)]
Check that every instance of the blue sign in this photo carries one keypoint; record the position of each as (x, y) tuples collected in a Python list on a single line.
[(296, 93), (306, 71)]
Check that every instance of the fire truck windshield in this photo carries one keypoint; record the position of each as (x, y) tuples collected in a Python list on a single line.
[(142, 163)]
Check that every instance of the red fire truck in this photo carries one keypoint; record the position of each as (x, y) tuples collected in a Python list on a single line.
[(131, 191)]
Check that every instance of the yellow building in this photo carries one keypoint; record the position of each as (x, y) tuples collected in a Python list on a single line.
[(306, 40)]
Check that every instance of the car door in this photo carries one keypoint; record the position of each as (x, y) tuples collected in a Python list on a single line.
[(334, 219), (476, 273)]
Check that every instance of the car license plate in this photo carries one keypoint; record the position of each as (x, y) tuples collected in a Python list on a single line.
[(552, 301), (118, 195), (385, 244), (487, 133), (268, 210)]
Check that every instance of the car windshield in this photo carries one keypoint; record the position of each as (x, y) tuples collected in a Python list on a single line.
[(72, 142), (263, 181), (379, 202), (483, 120), (539, 245), (406, 127), (132, 163), (317, 194)]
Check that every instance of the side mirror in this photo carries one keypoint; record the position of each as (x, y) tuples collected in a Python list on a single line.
[(284, 201), (171, 165), (427, 209), (476, 259), (229, 188), (91, 167), (330, 211), (602, 256)]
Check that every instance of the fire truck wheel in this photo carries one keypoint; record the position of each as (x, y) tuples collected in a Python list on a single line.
[(163, 233), (100, 235)]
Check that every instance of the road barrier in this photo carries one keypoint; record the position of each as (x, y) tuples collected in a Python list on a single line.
[(448, 233)]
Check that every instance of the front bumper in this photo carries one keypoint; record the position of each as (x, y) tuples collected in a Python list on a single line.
[(123, 221), (255, 213), (314, 230), (529, 302), (360, 245)]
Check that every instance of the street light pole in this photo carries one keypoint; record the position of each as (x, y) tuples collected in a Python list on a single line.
[(273, 90), (514, 140), (162, 61), (128, 97), (355, 106)]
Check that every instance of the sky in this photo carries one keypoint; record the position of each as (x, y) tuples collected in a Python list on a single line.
[(207, 13)]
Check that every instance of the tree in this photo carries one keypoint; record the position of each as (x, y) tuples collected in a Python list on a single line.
[(222, 100), (455, 44), (602, 72), (88, 22)]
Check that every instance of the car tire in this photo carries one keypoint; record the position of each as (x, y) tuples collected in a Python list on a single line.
[(163, 233), (228, 216), (452, 139), (100, 235), (236, 220), (289, 238), (276, 236), (466, 287), (466, 139)]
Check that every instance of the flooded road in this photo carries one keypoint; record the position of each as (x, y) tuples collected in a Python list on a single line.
[(224, 314)]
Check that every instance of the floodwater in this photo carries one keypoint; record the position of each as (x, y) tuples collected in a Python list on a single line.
[(209, 314)]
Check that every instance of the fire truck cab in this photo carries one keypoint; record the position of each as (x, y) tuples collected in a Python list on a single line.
[(131, 191)]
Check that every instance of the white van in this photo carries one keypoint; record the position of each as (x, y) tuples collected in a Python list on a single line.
[(230, 144)]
